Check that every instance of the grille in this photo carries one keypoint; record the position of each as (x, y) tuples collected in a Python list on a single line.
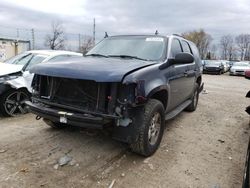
[(84, 94)]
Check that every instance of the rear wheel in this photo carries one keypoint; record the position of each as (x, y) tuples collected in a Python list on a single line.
[(12, 102), (195, 99), (151, 128)]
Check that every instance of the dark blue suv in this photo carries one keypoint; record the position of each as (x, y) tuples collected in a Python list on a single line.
[(130, 83)]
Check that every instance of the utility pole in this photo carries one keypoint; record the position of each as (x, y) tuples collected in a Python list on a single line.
[(94, 32), (79, 40), (33, 38)]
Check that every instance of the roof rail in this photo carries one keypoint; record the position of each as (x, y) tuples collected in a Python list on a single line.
[(177, 35)]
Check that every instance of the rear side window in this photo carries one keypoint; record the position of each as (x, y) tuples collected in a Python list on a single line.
[(175, 48), (195, 53), (185, 47)]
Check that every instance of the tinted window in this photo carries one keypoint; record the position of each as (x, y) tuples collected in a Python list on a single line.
[(185, 47), (195, 53), (176, 47)]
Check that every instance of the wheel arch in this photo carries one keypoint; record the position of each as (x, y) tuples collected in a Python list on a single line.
[(160, 93), (199, 80)]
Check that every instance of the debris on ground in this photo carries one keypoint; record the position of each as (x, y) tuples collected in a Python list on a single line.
[(123, 175), (221, 141), (112, 184), (24, 170), (64, 160), (2, 150), (151, 166), (146, 160), (204, 91), (43, 184), (230, 158), (56, 166)]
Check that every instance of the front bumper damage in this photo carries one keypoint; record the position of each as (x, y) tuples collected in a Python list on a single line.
[(69, 115), (123, 131)]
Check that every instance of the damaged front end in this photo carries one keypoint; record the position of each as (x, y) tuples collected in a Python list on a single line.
[(84, 103), (6, 81)]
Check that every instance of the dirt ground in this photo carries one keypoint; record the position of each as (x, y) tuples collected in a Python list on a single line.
[(205, 148)]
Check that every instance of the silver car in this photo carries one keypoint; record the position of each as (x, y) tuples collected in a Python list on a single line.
[(239, 68), (15, 78)]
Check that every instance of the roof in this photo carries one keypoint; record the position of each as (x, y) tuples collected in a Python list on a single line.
[(54, 52)]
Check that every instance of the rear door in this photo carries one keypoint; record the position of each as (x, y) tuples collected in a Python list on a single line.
[(176, 77), (189, 72)]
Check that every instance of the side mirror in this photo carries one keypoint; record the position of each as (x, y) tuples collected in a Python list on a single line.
[(183, 58), (180, 58)]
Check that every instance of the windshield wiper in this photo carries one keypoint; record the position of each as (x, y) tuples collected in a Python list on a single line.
[(128, 56), (97, 55)]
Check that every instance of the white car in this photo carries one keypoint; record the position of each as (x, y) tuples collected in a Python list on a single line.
[(226, 65), (15, 78), (239, 68)]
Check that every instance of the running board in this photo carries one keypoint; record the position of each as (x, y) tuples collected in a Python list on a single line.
[(177, 110)]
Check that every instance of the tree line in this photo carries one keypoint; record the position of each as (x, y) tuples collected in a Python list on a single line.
[(228, 47)]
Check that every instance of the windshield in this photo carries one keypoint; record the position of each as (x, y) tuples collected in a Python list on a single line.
[(146, 48), (16, 59), (241, 64), (213, 63), (24, 58)]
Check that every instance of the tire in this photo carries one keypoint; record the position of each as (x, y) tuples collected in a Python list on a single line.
[(195, 99), (12, 102), (151, 127), (54, 125)]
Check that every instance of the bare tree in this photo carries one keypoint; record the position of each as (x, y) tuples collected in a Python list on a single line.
[(86, 45), (243, 44), (213, 51), (227, 45), (201, 39), (56, 39)]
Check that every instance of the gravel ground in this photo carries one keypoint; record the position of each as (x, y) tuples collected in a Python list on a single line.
[(205, 148)]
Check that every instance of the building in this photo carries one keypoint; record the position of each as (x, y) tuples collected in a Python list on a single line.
[(12, 47)]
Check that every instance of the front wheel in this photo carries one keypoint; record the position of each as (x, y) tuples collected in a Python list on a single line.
[(151, 128), (12, 102)]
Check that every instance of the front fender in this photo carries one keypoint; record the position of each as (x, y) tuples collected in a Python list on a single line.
[(19, 83), (152, 77)]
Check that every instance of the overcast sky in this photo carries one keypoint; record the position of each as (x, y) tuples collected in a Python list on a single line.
[(217, 17)]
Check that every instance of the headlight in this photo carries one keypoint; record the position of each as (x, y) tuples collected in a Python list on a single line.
[(6, 78)]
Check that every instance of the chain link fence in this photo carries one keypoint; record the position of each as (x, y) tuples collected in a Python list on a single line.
[(73, 41)]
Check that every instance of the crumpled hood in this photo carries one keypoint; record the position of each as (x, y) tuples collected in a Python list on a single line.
[(6, 68), (99, 69)]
